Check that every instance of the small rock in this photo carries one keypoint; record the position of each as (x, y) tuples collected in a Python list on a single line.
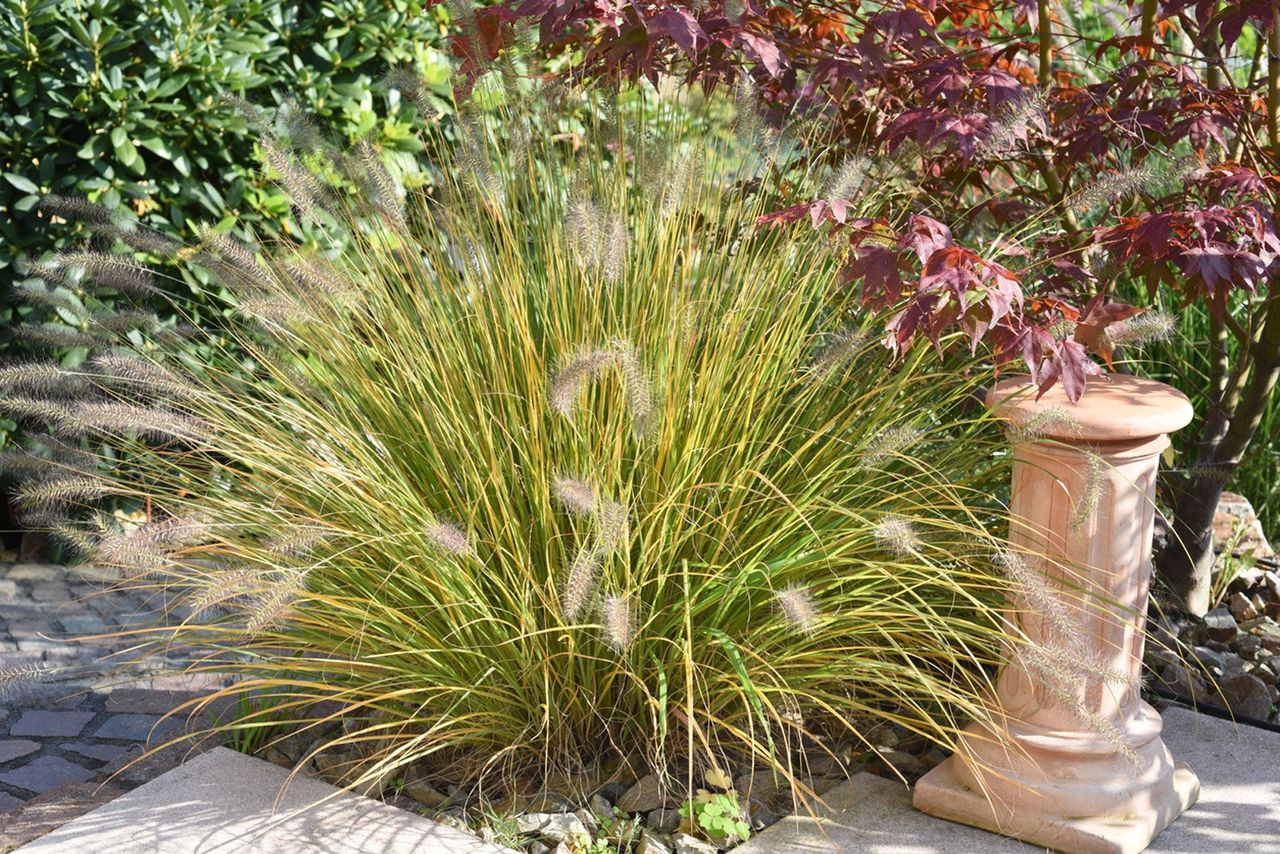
[(536, 847), (588, 821), (686, 844), (1220, 625), (560, 826), (1248, 646), (612, 791), (651, 843), (759, 815), (1247, 696), (424, 793), (562, 848), (1242, 607), (647, 794), (904, 763), (664, 820), (1182, 682), (600, 805)]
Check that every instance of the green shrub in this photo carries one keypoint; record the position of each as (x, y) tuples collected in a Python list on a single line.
[(123, 101), (575, 463)]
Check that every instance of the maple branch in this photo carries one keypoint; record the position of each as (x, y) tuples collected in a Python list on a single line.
[(1273, 81), (1046, 43), (1149, 8)]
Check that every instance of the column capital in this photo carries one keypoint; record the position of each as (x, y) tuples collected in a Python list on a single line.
[(1114, 408)]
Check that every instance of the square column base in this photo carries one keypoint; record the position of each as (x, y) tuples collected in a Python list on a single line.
[(940, 794)]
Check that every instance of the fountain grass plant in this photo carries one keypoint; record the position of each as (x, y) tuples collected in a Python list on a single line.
[(559, 464)]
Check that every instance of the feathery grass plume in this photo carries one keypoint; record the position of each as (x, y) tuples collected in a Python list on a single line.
[(304, 189), (231, 249), (77, 209), (15, 679), (748, 124), (797, 607), (219, 588), (1011, 125), (838, 349), (1086, 504), (1044, 422), (30, 409), (56, 335), (1114, 186), (249, 111), (141, 239), (619, 619), (115, 322), (145, 549), (450, 538), (59, 490), (1145, 328), (889, 443), (270, 608), (117, 272), (678, 179), (386, 193), (409, 83), (139, 375), (579, 582), (1220, 472), (639, 390), (577, 496), (613, 527), (319, 280), (124, 419), (23, 462), (38, 294), (584, 227), (1064, 682), (570, 380), (898, 536), (300, 540), (615, 248), (74, 539), (847, 182), (41, 378), (1061, 629)]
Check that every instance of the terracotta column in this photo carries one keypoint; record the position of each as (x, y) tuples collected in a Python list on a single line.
[(1078, 764)]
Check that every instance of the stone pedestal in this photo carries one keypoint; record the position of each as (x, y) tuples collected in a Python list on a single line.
[(1079, 765)]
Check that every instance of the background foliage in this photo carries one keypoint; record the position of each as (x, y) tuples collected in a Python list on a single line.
[(124, 101)]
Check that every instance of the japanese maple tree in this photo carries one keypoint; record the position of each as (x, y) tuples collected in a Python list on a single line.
[(1055, 160)]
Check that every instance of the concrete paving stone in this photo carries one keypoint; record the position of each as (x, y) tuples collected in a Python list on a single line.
[(36, 572), (100, 752), (8, 802), (53, 809), (82, 624), (99, 574), (130, 727), (16, 748), (1238, 810), (50, 592), (9, 590), (145, 701), (44, 723), (195, 809), (45, 773)]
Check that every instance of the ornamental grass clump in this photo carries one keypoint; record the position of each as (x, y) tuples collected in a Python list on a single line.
[(510, 513)]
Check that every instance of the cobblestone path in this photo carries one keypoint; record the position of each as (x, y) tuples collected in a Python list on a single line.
[(96, 708)]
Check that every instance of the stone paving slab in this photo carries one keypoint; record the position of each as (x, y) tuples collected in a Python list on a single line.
[(1238, 811), (224, 802)]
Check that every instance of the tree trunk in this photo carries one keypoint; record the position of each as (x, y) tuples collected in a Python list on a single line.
[(1186, 561)]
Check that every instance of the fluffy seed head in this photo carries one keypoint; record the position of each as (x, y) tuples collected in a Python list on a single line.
[(837, 351), (450, 538), (619, 622), (577, 496), (579, 583), (16, 678), (270, 608), (898, 536), (574, 376), (847, 181), (123, 419), (1044, 422), (1145, 328), (891, 443), (797, 608), (41, 378)]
